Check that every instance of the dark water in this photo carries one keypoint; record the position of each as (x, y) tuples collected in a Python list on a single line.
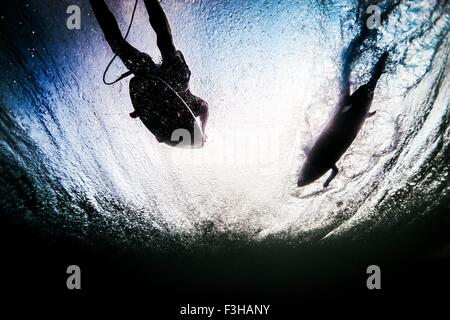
[(82, 183)]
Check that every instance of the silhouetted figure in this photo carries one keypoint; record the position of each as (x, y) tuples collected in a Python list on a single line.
[(151, 98), (341, 130)]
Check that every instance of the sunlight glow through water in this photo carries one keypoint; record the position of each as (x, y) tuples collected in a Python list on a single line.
[(270, 73)]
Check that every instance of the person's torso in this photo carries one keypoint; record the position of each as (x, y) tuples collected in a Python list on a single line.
[(175, 72)]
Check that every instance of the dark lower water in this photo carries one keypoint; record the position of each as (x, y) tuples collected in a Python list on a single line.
[(414, 264)]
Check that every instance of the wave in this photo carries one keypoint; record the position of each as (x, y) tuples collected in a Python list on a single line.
[(72, 162)]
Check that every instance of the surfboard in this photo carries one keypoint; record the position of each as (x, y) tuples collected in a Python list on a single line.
[(165, 114)]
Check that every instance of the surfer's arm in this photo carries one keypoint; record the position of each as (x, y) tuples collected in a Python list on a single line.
[(204, 115), (160, 24), (199, 108), (129, 55)]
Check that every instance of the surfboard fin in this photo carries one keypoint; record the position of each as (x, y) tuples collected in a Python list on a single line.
[(333, 175), (371, 114)]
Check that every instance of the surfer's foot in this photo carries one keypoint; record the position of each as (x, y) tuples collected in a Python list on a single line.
[(205, 137), (134, 114)]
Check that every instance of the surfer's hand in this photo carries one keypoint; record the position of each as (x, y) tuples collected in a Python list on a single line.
[(134, 114)]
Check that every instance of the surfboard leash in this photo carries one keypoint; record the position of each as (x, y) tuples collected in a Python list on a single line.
[(128, 73)]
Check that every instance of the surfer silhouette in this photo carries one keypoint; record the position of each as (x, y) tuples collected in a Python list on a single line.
[(159, 93)]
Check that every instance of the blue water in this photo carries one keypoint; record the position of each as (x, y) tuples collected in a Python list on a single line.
[(73, 162)]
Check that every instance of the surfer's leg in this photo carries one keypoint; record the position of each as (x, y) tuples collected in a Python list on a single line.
[(160, 25), (129, 55), (333, 175)]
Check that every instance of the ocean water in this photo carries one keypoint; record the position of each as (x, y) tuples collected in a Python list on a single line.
[(74, 164)]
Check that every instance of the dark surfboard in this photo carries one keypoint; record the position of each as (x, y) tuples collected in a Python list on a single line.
[(341, 130), (165, 114)]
